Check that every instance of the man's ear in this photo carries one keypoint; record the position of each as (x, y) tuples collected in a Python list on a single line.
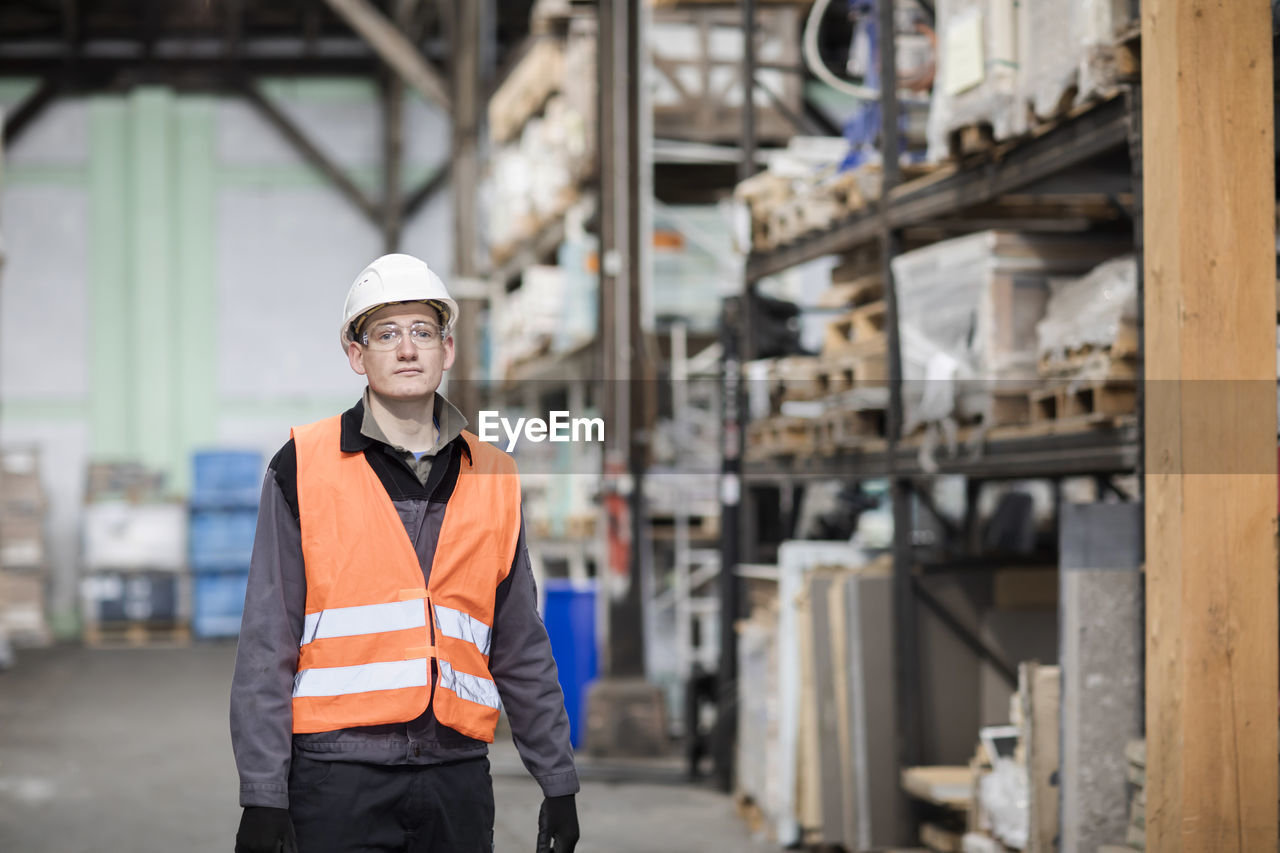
[(449, 353), (355, 355)]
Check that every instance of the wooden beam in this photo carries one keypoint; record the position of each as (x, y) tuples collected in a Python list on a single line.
[(312, 154), (394, 47), (393, 145), (233, 26), (393, 149), (424, 193), (1210, 414)]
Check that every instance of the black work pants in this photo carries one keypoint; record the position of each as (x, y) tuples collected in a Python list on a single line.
[(346, 807)]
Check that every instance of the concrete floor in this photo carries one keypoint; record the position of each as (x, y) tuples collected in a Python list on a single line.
[(127, 751)]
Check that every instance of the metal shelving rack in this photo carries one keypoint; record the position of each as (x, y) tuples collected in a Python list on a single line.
[(1097, 150)]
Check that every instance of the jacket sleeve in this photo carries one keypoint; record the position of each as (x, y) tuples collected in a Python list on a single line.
[(522, 666), (267, 655)]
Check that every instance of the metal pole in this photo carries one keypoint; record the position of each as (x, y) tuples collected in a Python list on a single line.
[(747, 167), (907, 672), (734, 340)]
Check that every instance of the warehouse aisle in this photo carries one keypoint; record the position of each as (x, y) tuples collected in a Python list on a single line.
[(127, 751)]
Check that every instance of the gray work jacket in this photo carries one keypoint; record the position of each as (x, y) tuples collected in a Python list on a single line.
[(267, 657)]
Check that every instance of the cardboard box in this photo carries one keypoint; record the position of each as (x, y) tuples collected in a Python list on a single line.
[(22, 543), (22, 609)]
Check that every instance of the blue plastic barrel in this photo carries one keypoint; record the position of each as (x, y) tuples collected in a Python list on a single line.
[(570, 618)]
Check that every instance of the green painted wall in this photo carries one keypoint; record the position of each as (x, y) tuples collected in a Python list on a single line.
[(111, 414), (152, 180)]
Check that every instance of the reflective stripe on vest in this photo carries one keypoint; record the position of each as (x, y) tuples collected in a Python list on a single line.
[(363, 678), (461, 626), (482, 691), (363, 619), (371, 625)]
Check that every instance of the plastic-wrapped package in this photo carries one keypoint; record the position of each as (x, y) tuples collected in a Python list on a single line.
[(1005, 802), (1068, 52), (978, 70), (968, 310), (1089, 311)]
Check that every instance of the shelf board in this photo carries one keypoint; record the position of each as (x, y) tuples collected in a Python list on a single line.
[(544, 241), (1099, 450), (1081, 137)]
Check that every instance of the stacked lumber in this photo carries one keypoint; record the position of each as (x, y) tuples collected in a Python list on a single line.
[(945, 795)]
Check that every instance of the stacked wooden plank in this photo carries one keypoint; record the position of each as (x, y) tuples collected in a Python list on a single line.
[(846, 719), (945, 796)]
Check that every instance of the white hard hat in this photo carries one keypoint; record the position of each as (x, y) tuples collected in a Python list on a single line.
[(391, 279)]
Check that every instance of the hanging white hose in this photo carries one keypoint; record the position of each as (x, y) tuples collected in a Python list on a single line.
[(813, 59)]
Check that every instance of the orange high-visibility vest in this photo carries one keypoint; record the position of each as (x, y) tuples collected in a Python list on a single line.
[(372, 625)]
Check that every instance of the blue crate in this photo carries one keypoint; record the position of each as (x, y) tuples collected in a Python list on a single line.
[(218, 603), (226, 478), (222, 538)]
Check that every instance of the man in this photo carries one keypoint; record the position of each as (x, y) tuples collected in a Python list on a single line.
[(390, 607)]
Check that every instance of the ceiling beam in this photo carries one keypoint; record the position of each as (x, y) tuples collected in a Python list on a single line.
[(310, 152), (424, 193), (394, 47), (29, 109)]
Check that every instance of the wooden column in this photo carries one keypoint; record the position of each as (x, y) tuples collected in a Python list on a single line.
[(1210, 333)]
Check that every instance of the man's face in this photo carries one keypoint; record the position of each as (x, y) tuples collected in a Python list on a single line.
[(405, 372)]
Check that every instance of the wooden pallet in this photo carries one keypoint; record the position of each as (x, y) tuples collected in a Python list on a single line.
[(132, 635), (526, 89), (1116, 360), (702, 527), (849, 429), (852, 294), (1102, 398), (971, 139), (863, 326), (779, 436), (851, 370)]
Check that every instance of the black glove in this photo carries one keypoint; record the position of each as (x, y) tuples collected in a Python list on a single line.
[(558, 822), (266, 830)]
